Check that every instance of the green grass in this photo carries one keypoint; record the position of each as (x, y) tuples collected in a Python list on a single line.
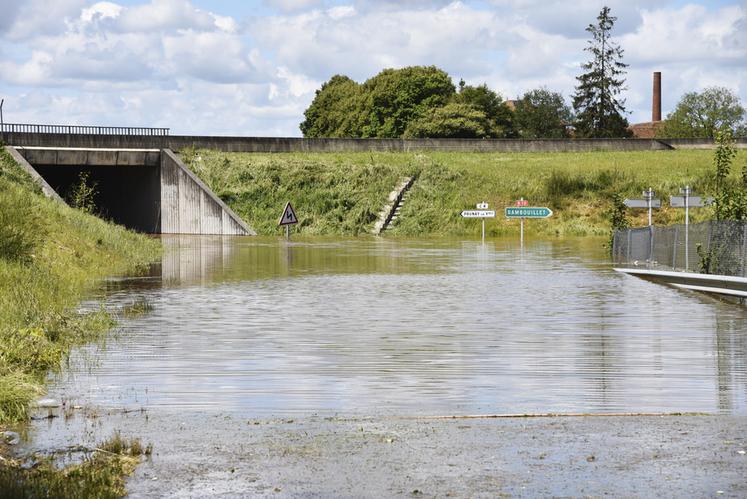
[(342, 193), (50, 257)]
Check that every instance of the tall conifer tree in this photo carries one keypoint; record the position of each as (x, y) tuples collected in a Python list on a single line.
[(599, 109)]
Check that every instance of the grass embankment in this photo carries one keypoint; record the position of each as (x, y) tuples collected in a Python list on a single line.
[(342, 193), (50, 257)]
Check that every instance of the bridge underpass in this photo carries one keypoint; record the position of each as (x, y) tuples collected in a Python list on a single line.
[(147, 190)]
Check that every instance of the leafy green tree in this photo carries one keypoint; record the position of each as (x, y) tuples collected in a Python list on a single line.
[(454, 120), (704, 114), (599, 109), (395, 96), (491, 104), (730, 200), (332, 113), (540, 114)]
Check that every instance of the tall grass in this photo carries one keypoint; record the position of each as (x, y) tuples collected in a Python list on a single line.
[(341, 193)]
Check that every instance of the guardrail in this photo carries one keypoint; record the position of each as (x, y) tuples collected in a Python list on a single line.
[(81, 129)]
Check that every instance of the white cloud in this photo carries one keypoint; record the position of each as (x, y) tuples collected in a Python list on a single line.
[(691, 33), (215, 56), (42, 17), (165, 15), (322, 43), (170, 63), (101, 10), (292, 5), (570, 19)]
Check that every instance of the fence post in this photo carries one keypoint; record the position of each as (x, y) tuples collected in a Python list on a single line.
[(630, 241), (651, 245)]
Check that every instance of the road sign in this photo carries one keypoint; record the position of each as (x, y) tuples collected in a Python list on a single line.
[(482, 206), (642, 203), (522, 202), (528, 212), (692, 201), (647, 202), (478, 213), (289, 216)]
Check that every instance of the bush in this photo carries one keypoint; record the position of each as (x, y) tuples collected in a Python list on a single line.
[(21, 228)]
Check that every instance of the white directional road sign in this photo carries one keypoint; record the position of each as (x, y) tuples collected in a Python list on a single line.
[(289, 216), (478, 213), (692, 201), (642, 203), (528, 212)]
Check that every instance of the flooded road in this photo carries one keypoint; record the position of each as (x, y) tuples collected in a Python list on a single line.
[(375, 327)]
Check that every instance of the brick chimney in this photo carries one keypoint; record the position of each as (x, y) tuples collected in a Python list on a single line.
[(656, 104)]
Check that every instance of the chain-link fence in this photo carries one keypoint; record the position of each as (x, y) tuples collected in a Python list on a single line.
[(715, 247)]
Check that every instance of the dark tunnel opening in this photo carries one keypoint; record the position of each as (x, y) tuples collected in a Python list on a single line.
[(126, 195)]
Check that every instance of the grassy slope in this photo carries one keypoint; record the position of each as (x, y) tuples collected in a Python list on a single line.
[(341, 193), (50, 256)]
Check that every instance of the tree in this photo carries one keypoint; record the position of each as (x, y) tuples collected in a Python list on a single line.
[(332, 112), (730, 200), (704, 115), (491, 104), (599, 110), (395, 96), (454, 120), (541, 113)]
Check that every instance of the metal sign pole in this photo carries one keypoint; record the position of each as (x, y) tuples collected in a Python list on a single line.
[(483, 231), (287, 232), (686, 192), (521, 223), (649, 195)]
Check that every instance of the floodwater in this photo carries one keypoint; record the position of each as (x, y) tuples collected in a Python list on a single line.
[(264, 327)]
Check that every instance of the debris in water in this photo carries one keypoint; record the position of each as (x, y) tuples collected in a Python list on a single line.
[(11, 437)]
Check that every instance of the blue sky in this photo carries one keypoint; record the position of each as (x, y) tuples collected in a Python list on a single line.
[(251, 68)]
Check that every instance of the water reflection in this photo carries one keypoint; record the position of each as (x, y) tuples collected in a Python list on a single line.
[(264, 326)]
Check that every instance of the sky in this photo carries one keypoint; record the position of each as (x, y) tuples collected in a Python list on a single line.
[(251, 68)]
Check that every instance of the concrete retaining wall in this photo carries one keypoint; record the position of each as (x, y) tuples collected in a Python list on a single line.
[(741, 143), (280, 144), (45, 187), (188, 206)]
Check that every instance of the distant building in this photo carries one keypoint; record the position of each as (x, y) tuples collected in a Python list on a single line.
[(647, 129)]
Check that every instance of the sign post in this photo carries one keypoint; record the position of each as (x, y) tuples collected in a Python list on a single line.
[(522, 211), (482, 212), (647, 202), (288, 218), (687, 201)]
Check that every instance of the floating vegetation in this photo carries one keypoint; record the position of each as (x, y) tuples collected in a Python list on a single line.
[(98, 472)]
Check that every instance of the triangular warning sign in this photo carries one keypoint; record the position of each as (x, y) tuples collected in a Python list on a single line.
[(289, 216)]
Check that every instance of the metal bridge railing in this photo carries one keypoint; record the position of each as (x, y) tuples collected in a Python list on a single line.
[(81, 129), (714, 247)]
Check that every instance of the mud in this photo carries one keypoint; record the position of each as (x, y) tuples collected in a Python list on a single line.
[(196, 455)]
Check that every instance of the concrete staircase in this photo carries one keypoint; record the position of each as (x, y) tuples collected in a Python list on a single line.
[(391, 212)]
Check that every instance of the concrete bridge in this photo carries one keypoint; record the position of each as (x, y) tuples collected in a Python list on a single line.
[(148, 190)]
